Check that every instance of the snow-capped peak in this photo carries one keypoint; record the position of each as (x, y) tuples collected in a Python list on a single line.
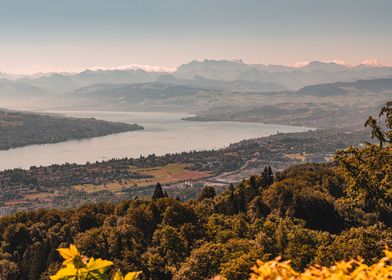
[(147, 68), (372, 62)]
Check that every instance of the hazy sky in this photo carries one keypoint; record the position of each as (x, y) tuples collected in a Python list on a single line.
[(68, 35)]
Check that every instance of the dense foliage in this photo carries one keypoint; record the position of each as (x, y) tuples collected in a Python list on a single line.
[(309, 214)]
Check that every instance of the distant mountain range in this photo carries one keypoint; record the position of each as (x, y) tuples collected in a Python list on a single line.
[(315, 72), (161, 96), (323, 78)]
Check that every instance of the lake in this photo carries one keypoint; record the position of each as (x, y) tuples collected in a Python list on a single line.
[(163, 133)]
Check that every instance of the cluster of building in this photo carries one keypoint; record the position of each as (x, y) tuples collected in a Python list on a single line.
[(5, 211)]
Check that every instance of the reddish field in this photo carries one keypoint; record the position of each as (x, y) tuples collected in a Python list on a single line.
[(168, 174)]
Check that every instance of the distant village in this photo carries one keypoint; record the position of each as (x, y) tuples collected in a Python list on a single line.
[(183, 175)]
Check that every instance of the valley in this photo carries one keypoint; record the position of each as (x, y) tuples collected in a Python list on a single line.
[(195, 140), (227, 125), (183, 174)]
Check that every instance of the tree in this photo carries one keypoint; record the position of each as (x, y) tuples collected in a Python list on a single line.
[(267, 177), (168, 250), (383, 137), (365, 242), (8, 270), (158, 192), (240, 267), (233, 204), (212, 259), (257, 208), (203, 263), (241, 200), (178, 214), (289, 238), (368, 170), (17, 237), (207, 192), (253, 182), (297, 198)]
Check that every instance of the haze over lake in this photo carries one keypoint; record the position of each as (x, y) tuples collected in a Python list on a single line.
[(163, 133)]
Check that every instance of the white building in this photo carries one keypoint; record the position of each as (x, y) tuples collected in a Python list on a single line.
[(5, 211)]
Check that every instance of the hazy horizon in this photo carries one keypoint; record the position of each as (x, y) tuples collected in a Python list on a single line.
[(69, 36), (163, 68)]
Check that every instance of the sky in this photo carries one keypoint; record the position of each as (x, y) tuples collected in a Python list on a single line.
[(72, 35)]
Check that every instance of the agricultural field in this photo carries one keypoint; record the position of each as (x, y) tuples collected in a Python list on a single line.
[(167, 174), (7, 120)]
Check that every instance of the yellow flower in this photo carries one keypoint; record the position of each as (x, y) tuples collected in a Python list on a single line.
[(98, 265), (129, 276), (69, 254), (77, 267), (68, 272), (388, 254)]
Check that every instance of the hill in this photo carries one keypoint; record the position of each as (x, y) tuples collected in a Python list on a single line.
[(342, 104), (19, 129), (157, 96)]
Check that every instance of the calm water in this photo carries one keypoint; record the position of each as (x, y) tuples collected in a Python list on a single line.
[(164, 133)]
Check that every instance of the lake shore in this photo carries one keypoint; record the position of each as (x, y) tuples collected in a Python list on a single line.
[(163, 133)]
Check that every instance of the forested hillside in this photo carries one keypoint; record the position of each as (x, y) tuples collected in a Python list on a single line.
[(309, 214), (19, 129)]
